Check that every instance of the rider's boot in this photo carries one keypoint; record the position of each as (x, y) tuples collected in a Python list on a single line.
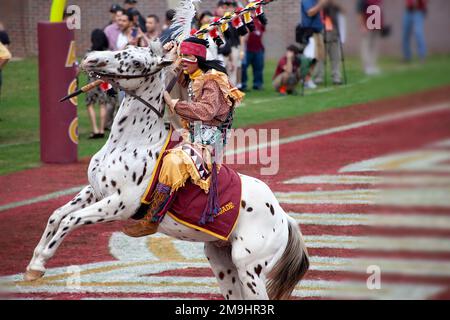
[(155, 213)]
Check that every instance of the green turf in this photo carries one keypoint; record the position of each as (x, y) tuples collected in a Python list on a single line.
[(19, 105)]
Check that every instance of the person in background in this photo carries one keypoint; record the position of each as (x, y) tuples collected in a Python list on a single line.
[(170, 14), (113, 10), (287, 75), (232, 51), (332, 38), (129, 33), (212, 51), (413, 21), (130, 6), (311, 18), (370, 38), (112, 31), (97, 96), (254, 56), (5, 54), (153, 27)]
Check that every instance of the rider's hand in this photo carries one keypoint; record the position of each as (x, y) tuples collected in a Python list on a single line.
[(169, 101), (169, 46)]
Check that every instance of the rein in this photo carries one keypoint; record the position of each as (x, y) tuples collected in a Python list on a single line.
[(104, 76)]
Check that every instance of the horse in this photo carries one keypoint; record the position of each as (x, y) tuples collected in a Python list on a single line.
[(265, 256)]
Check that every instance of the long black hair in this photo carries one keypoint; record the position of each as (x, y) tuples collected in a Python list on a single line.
[(99, 40), (203, 64)]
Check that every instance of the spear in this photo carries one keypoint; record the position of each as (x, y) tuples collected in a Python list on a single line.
[(85, 88)]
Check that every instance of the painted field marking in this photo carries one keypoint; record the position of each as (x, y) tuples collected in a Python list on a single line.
[(413, 197), (43, 198), (427, 160), (296, 138), (193, 254), (372, 180), (137, 278), (417, 221), (410, 244), (387, 118)]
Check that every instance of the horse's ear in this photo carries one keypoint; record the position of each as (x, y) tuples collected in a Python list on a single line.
[(155, 47)]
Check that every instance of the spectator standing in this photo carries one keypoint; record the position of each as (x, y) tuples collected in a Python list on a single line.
[(129, 32), (232, 51), (96, 96), (413, 21), (311, 18), (332, 38), (166, 33), (370, 38), (112, 31), (113, 10), (153, 27), (5, 55), (130, 6), (254, 56), (212, 51)]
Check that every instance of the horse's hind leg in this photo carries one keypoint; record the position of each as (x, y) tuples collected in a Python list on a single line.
[(224, 270), (83, 199)]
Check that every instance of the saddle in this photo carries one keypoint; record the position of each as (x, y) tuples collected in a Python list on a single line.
[(190, 200)]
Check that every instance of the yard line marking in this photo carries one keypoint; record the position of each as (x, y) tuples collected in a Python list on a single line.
[(441, 144), (411, 267), (410, 244), (422, 221), (43, 198), (296, 138), (15, 144), (427, 160), (414, 197), (356, 125), (372, 180), (134, 278)]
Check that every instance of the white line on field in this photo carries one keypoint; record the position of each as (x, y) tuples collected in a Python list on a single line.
[(356, 125), (296, 138), (45, 197)]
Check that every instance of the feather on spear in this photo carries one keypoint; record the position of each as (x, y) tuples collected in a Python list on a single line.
[(182, 21)]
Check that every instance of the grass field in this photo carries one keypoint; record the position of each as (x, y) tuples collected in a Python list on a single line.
[(19, 105)]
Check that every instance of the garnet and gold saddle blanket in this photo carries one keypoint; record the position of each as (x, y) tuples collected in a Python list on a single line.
[(190, 200)]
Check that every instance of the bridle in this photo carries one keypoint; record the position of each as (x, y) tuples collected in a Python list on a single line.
[(106, 76)]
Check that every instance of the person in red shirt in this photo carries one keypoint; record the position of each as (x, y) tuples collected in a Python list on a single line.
[(287, 74), (413, 21), (254, 56)]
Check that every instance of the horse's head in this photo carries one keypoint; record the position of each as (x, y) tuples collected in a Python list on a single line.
[(129, 67)]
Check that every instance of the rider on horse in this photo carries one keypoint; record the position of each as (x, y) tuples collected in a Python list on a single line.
[(207, 117)]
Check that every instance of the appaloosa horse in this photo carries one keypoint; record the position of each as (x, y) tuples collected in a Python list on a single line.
[(265, 256)]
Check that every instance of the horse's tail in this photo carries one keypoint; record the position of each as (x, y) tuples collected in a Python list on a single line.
[(291, 268)]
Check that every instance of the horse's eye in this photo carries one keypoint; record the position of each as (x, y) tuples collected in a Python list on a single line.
[(136, 64)]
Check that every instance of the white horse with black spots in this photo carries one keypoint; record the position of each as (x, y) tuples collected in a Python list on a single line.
[(265, 256)]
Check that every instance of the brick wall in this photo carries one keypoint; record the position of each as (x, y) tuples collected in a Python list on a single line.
[(21, 17)]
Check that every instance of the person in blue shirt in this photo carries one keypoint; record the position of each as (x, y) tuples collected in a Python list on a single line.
[(311, 18)]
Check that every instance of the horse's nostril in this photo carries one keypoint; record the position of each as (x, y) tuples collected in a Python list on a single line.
[(94, 61)]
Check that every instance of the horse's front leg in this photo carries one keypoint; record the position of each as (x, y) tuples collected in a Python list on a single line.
[(112, 208), (83, 199)]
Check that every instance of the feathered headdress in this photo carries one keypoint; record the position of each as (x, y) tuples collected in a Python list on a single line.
[(182, 22)]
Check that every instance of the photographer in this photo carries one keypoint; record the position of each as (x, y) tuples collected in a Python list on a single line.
[(311, 23), (287, 76), (333, 38)]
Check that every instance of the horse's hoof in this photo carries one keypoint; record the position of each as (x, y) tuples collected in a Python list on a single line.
[(32, 275)]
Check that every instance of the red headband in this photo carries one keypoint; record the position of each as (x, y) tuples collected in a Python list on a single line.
[(194, 49)]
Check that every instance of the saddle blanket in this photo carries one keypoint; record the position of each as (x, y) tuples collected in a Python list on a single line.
[(190, 200)]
